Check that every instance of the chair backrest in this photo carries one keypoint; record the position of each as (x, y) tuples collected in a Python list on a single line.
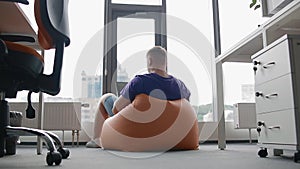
[(22, 69), (19, 1), (53, 22)]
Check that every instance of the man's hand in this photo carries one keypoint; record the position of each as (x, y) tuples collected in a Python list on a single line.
[(119, 104)]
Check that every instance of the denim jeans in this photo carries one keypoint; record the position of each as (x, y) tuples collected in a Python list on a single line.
[(109, 103)]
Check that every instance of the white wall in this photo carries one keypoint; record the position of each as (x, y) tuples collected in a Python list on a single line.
[(208, 132)]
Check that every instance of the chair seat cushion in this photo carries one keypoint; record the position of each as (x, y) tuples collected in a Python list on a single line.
[(23, 49), (150, 124), (20, 67), (24, 59)]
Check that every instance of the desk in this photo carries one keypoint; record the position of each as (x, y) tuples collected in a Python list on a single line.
[(14, 21), (286, 21)]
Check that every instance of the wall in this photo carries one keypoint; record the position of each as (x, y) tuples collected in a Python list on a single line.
[(208, 132)]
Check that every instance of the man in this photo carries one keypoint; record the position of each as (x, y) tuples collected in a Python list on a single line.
[(157, 83)]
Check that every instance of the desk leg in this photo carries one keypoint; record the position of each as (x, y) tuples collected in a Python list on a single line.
[(77, 137), (219, 104), (250, 137), (63, 138), (39, 146), (73, 133)]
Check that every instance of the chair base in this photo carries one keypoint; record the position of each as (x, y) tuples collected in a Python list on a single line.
[(9, 134), (11, 145)]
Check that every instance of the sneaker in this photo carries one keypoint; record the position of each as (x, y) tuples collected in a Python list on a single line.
[(92, 144)]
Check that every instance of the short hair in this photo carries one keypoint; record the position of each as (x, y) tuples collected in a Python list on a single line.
[(158, 53)]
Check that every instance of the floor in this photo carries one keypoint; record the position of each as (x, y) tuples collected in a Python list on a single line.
[(242, 155)]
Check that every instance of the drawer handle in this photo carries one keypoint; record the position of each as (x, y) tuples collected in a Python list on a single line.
[(273, 127), (261, 123), (258, 94), (256, 62), (271, 95), (267, 65)]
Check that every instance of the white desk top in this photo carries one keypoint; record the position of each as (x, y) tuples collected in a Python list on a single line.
[(14, 21), (286, 21)]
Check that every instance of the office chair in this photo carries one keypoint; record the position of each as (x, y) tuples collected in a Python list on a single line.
[(19, 1), (21, 68)]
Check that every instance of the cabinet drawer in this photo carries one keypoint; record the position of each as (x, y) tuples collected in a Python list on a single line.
[(279, 128), (273, 63), (274, 95)]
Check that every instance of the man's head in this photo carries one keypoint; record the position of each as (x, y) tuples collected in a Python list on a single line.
[(157, 59)]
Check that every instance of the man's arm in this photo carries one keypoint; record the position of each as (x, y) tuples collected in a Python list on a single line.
[(120, 103)]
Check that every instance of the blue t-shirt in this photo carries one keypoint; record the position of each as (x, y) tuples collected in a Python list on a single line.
[(152, 84)]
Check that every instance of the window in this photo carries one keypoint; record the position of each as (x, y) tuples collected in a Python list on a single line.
[(234, 26), (238, 86), (86, 36), (132, 50), (189, 62), (238, 23), (131, 31), (138, 2)]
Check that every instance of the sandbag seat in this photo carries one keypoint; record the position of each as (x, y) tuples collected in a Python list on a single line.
[(151, 124)]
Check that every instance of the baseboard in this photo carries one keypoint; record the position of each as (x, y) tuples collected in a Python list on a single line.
[(227, 141)]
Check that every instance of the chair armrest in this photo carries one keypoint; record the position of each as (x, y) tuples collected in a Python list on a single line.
[(19, 1), (50, 84), (3, 48), (17, 38), (3, 51)]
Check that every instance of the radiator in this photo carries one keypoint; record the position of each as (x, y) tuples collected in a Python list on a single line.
[(57, 115)]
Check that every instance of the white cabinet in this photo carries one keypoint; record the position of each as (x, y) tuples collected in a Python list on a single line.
[(277, 86), (279, 128), (273, 62), (275, 95), (271, 7)]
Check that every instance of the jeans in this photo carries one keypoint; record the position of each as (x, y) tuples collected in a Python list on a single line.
[(109, 104)]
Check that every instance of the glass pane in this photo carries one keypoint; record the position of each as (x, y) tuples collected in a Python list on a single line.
[(186, 66), (233, 25), (135, 38), (82, 69), (238, 86), (139, 2), (192, 25)]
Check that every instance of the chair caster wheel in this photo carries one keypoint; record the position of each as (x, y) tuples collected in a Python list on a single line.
[(53, 157), (2, 153), (11, 143), (64, 152), (263, 153), (296, 157)]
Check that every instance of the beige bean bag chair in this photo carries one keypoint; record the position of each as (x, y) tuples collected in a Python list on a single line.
[(150, 124)]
